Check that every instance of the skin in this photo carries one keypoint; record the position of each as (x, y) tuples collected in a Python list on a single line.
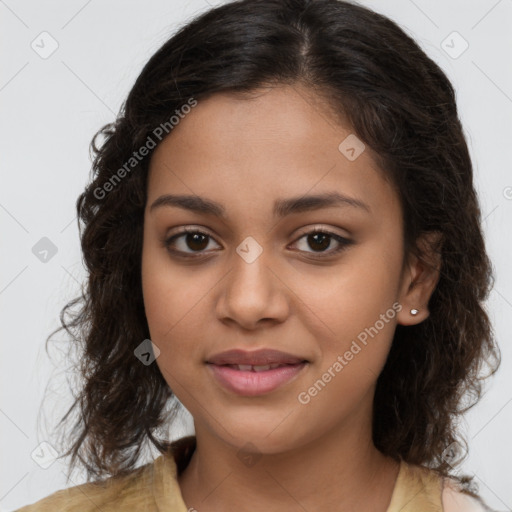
[(245, 154)]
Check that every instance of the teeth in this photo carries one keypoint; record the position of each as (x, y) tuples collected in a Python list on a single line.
[(256, 368), (261, 368)]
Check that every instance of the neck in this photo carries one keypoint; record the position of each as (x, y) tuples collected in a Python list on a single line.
[(335, 471)]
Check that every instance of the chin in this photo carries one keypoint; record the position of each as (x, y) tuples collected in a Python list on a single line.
[(254, 432)]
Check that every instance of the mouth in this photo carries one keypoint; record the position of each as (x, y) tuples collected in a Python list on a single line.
[(257, 358), (256, 368), (255, 380)]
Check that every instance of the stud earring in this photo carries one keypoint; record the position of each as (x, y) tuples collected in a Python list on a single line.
[(414, 312)]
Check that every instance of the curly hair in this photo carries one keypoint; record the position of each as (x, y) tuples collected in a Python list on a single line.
[(402, 106)]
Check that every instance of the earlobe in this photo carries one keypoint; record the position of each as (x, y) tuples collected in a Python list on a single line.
[(412, 316), (419, 280)]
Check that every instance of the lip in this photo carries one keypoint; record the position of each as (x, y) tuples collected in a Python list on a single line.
[(252, 383), (259, 357)]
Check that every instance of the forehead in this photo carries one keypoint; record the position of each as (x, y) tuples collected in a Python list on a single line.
[(276, 142), (271, 124)]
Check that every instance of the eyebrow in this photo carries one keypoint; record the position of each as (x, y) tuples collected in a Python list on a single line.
[(282, 207)]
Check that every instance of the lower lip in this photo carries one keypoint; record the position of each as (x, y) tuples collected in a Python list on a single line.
[(249, 383)]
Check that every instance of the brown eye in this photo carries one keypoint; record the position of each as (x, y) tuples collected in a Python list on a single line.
[(191, 243), (188, 242), (196, 241), (321, 241)]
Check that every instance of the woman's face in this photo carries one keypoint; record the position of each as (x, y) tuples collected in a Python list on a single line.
[(253, 279)]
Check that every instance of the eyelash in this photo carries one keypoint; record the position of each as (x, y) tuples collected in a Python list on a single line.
[(344, 242)]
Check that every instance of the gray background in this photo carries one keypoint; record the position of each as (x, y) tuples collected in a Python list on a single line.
[(50, 109)]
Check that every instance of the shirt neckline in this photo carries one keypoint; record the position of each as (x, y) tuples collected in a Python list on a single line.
[(416, 488)]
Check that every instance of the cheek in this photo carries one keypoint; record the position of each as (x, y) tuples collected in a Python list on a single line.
[(163, 306), (350, 296), (344, 379), (355, 308), (168, 296), (170, 319), (174, 315)]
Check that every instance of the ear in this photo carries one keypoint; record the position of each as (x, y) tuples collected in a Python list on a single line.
[(419, 279)]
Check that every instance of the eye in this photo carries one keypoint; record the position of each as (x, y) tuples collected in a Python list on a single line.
[(320, 240), (192, 239), (191, 242)]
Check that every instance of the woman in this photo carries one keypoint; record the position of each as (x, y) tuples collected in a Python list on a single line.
[(283, 234)]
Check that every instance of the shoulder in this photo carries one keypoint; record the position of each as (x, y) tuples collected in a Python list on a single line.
[(129, 492), (456, 500), (419, 488), (151, 487)]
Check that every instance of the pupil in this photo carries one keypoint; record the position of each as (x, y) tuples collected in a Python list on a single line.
[(196, 240), (323, 236)]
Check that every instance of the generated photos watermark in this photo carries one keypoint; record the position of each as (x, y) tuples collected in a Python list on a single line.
[(158, 133), (304, 397)]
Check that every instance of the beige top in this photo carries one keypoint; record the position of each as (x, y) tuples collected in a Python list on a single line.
[(154, 487)]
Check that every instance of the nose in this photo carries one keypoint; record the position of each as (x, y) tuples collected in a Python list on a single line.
[(253, 293)]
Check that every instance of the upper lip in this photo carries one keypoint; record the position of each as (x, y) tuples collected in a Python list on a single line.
[(254, 358)]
